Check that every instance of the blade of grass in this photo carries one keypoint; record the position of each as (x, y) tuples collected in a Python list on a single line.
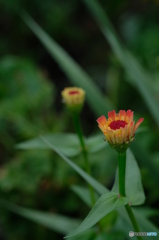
[(67, 143), (56, 222), (137, 74), (74, 72)]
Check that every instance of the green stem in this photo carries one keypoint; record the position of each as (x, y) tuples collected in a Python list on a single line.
[(78, 128), (133, 219), (122, 169)]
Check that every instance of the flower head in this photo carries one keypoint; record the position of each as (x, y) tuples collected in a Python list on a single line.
[(74, 98), (119, 130)]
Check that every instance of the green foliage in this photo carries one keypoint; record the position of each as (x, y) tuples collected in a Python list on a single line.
[(15, 177), (37, 178), (68, 144), (25, 96), (55, 222)]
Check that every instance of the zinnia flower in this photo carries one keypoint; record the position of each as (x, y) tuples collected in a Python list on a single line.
[(73, 97), (119, 130)]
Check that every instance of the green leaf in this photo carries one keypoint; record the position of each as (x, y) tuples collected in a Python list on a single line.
[(138, 76), (95, 184), (67, 143), (106, 204), (84, 194), (133, 185), (144, 158), (52, 221), (74, 72)]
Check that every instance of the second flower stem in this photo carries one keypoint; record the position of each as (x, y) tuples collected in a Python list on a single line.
[(122, 171), (77, 124)]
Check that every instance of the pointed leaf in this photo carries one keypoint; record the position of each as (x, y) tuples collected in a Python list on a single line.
[(133, 185), (106, 204), (67, 143)]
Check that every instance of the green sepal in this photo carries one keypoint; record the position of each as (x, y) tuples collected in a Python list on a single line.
[(120, 148)]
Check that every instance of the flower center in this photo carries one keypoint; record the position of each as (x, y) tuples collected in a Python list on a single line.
[(74, 92), (117, 124)]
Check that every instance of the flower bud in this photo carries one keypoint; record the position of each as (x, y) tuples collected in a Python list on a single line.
[(74, 98)]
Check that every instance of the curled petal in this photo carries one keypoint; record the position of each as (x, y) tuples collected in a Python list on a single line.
[(138, 124)]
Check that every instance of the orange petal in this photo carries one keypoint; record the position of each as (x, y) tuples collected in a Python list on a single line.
[(102, 120), (130, 130), (112, 115), (138, 124), (130, 115), (122, 115)]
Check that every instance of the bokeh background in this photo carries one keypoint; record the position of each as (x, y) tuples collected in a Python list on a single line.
[(30, 103)]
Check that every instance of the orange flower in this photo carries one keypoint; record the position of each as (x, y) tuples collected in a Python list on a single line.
[(120, 128), (74, 98)]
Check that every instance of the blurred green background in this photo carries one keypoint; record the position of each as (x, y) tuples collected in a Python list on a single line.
[(30, 103)]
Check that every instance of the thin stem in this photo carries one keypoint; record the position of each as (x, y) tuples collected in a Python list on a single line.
[(78, 128), (122, 169)]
